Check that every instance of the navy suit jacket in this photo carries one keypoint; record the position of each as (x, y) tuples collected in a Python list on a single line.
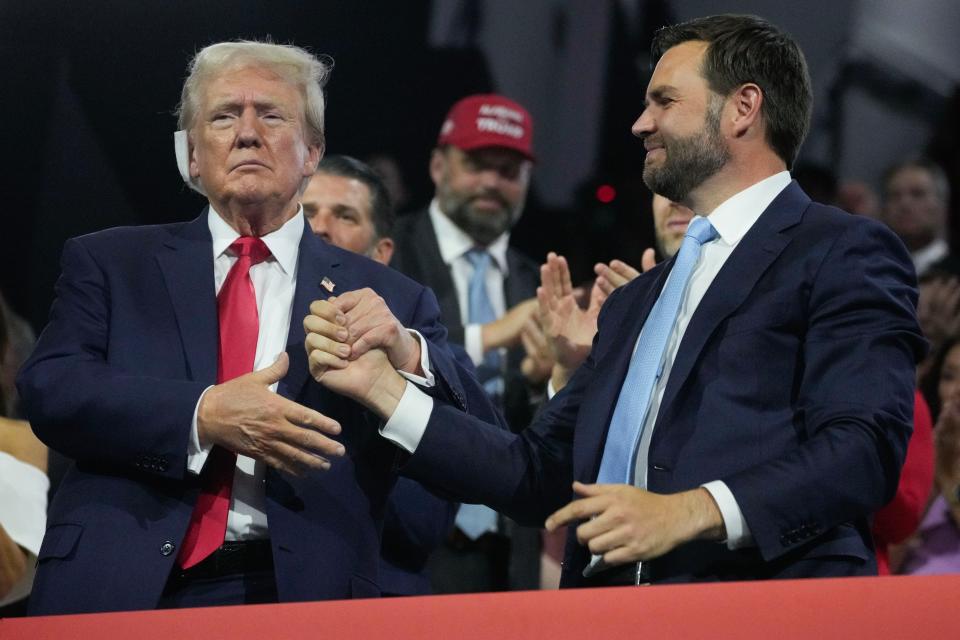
[(793, 384), (113, 384)]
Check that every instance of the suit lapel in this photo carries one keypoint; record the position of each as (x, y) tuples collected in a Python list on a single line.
[(520, 283), (756, 251), (436, 275), (186, 262), (315, 262)]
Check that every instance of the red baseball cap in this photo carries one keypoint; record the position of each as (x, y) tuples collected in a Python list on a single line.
[(488, 120)]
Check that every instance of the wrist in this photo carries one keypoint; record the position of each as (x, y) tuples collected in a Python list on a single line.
[(385, 393), (490, 336), (205, 410), (407, 356), (707, 520), (560, 376)]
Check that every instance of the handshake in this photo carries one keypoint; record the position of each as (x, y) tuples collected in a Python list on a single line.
[(355, 346)]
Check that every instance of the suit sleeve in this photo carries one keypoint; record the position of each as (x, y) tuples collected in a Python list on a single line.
[(526, 476), (855, 397), (87, 409), (417, 520), (901, 516), (456, 383)]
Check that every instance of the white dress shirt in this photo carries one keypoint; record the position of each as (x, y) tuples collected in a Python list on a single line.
[(274, 283), (732, 220), (454, 244), (23, 514)]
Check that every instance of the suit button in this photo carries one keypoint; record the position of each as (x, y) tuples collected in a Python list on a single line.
[(167, 548)]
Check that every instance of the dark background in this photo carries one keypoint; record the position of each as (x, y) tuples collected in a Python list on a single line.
[(90, 89)]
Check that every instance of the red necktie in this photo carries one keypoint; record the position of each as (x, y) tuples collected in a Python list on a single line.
[(239, 327)]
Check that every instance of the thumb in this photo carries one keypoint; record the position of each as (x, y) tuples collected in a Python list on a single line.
[(275, 372), (648, 260)]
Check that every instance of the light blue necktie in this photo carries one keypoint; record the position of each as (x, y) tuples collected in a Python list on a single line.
[(475, 519), (480, 311), (646, 366)]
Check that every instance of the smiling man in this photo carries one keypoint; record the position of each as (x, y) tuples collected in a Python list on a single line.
[(746, 405), (210, 468)]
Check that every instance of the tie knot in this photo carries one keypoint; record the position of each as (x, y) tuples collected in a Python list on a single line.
[(702, 231), (479, 258), (250, 247)]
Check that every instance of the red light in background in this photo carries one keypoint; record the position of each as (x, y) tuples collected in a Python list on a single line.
[(606, 193)]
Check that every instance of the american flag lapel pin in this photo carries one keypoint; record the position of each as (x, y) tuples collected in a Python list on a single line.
[(327, 284)]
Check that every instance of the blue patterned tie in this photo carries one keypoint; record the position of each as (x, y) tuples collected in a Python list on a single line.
[(475, 519), (646, 365)]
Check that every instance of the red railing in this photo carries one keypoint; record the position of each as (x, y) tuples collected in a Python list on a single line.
[(872, 608)]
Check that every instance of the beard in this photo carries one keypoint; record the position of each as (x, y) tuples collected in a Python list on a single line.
[(483, 227), (691, 160)]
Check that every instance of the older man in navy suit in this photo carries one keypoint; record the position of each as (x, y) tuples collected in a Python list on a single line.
[(747, 404), (195, 483)]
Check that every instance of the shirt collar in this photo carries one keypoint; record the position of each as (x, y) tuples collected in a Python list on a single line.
[(929, 255), (734, 217), (454, 242), (284, 243)]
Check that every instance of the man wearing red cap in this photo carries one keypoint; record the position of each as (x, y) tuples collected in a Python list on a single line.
[(458, 246)]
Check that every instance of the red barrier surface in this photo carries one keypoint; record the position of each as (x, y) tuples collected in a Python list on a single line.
[(874, 608)]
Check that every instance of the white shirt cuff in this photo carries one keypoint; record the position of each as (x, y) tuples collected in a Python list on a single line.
[(406, 426), (429, 380), (550, 390), (473, 342), (23, 502), (738, 532), (197, 455)]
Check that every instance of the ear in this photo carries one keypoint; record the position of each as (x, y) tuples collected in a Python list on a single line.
[(746, 101), (383, 251), (192, 154), (314, 154), (438, 166)]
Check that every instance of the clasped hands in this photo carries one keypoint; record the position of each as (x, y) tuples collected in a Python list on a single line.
[(354, 345)]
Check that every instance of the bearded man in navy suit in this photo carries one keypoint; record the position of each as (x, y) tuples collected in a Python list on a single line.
[(194, 486), (767, 413)]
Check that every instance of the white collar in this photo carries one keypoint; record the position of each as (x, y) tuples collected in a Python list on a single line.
[(454, 242), (284, 243), (735, 215), (929, 255)]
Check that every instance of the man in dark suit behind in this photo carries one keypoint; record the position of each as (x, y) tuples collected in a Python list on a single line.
[(347, 204), (481, 169), (195, 483), (778, 401)]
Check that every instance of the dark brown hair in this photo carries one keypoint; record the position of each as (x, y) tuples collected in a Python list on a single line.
[(744, 49)]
